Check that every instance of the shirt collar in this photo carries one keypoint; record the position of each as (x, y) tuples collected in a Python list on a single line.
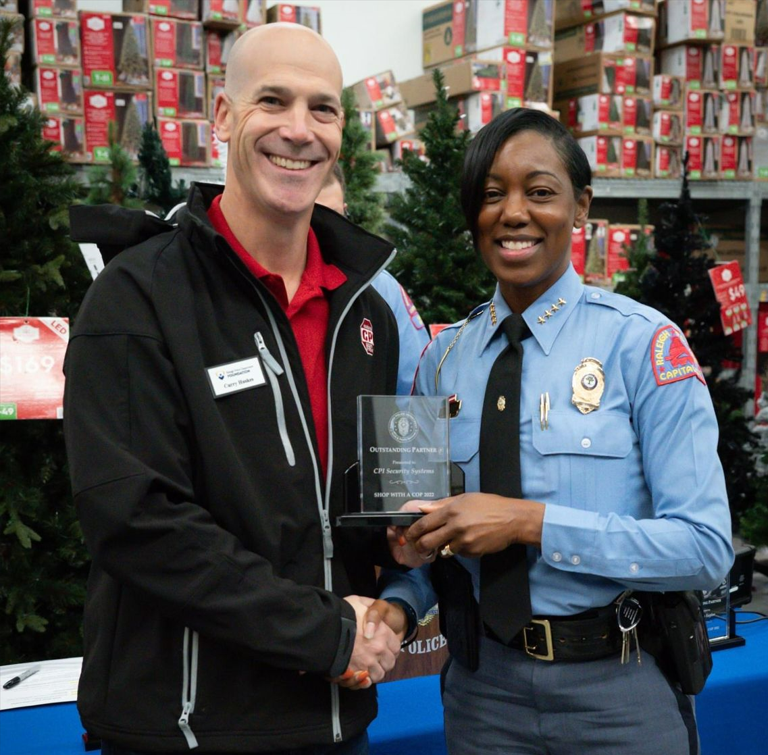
[(545, 317)]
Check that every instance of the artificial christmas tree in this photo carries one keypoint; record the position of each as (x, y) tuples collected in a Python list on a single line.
[(444, 274), (157, 188), (358, 163), (115, 183), (43, 562)]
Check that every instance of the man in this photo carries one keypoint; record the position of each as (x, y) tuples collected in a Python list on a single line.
[(212, 378), (413, 335)]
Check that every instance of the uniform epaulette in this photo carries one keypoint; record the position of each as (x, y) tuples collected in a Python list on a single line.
[(620, 303), (478, 310)]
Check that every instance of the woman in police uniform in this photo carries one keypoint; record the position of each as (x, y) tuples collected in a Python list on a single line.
[(621, 485)]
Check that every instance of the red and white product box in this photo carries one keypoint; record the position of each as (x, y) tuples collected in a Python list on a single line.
[(736, 157), (668, 161), (215, 85), (218, 151), (226, 13), (701, 111), (633, 75), (698, 65), (377, 92), (637, 115), (622, 238), (596, 241), (761, 66), (761, 106), (511, 22), (255, 12), (59, 90), (760, 154), (57, 8), (127, 110), (735, 313), (529, 77), (305, 15), (637, 157), (186, 142), (478, 110), (393, 123), (177, 44), (180, 93), (737, 67), (68, 133), (217, 47), (416, 146), (12, 69), (32, 363), (595, 112), (55, 41), (187, 9), (603, 154), (737, 113), (703, 157), (115, 52), (693, 20), (668, 127), (668, 91), (578, 250)]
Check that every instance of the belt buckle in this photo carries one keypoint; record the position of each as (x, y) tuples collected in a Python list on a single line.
[(550, 654)]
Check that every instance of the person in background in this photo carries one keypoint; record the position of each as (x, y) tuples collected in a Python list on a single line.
[(589, 444), (211, 390), (414, 336)]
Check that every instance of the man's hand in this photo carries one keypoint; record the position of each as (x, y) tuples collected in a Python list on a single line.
[(377, 644)]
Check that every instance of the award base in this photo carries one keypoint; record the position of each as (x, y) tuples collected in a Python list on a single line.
[(733, 640), (356, 517)]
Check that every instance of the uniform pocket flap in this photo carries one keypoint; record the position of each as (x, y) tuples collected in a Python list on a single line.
[(593, 434)]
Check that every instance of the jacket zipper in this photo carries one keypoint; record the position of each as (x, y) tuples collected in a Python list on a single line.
[(273, 369), (189, 687)]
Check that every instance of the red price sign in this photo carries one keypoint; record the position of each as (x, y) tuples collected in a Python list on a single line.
[(735, 313), (31, 359)]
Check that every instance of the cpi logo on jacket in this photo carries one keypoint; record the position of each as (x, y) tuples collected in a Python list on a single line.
[(672, 358), (366, 336)]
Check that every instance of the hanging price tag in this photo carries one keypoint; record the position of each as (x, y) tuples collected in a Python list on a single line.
[(735, 313), (31, 360)]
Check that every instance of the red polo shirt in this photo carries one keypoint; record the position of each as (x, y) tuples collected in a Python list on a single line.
[(308, 312)]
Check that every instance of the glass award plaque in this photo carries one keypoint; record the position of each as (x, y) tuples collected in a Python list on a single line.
[(403, 454), (720, 617)]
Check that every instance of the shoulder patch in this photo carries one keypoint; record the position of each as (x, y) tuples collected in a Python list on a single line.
[(672, 358)]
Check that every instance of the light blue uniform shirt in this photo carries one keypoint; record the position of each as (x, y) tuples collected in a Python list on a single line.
[(410, 327), (634, 491)]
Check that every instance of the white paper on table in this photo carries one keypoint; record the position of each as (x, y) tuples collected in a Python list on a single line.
[(56, 682)]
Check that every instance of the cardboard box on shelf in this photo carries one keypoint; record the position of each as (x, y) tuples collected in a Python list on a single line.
[(603, 154), (306, 15), (55, 41), (180, 93), (668, 91), (186, 9), (368, 119), (17, 34), (737, 113), (57, 8), (620, 33), (187, 142), (219, 151), (668, 161), (736, 157), (595, 242), (698, 65), (391, 124), (255, 12), (570, 13), (761, 66), (737, 67), (637, 115), (59, 90), (439, 42), (691, 20), (703, 157), (578, 250), (528, 77), (214, 85), (68, 134), (701, 111), (602, 73), (760, 153), (115, 50), (176, 43), (668, 127), (222, 14), (478, 109), (761, 106), (519, 23), (9, 7), (128, 110), (591, 114), (217, 47), (12, 68), (377, 92), (637, 157), (409, 144), (621, 239), (462, 77)]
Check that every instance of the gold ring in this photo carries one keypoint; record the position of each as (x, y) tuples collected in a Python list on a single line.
[(446, 551)]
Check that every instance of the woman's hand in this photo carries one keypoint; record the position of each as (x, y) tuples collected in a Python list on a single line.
[(474, 524), (404, 552)]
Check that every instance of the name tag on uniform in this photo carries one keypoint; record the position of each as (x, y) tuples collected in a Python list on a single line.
[(235, 377)]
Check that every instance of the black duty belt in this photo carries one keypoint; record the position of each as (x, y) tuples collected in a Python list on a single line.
[(586, 636)]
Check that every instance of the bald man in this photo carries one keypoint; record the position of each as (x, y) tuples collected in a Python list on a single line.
[(212, 378)]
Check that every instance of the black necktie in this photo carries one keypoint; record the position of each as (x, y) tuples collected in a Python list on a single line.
[(505, 600)]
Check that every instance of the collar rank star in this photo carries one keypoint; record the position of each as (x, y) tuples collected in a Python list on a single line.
[(556, 307), (366, 336), (234, 377), (588, 383)]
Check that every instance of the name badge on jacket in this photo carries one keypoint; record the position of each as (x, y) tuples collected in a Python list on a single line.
[(235, 377)]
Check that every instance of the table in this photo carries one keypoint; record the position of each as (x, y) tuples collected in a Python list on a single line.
[(732, 711)]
